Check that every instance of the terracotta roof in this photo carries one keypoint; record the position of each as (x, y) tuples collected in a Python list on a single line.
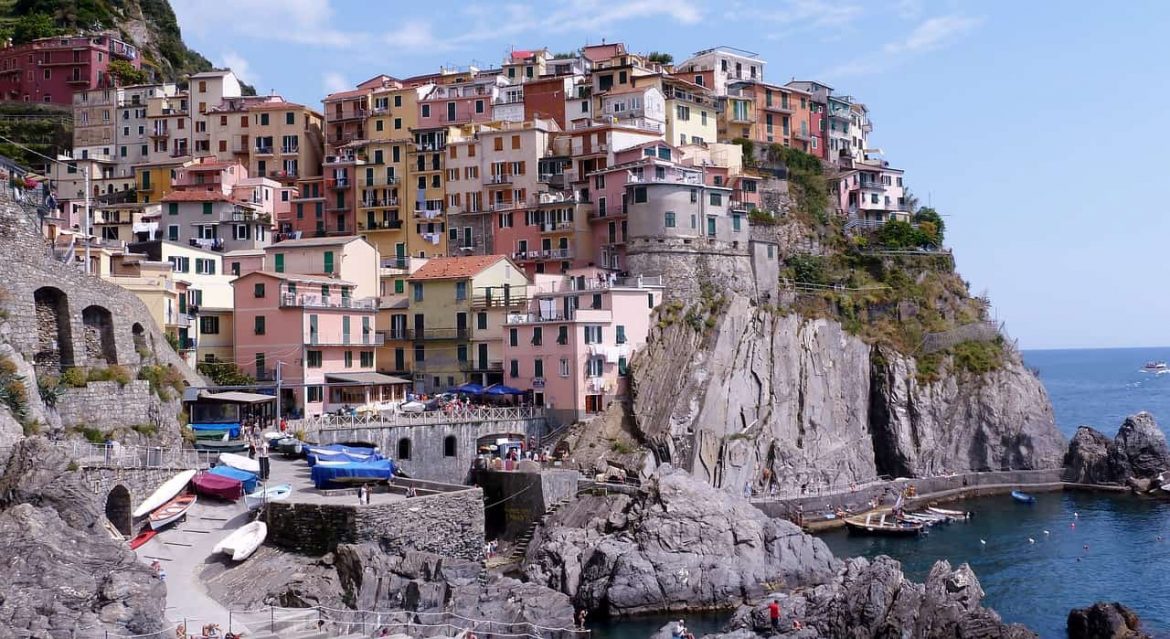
[(315, 241), (196, 196), (341, 95), (451, 268), (521, 54)]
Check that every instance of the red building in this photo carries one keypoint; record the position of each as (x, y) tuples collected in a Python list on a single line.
[(51, 70)]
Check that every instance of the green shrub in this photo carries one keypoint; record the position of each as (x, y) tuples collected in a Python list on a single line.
[(74, 377), (929, 368), (113, 373), (621, 447), (91, 434), (163, 380), (978, 357), (30, 428), (145, 429), (761, 218)]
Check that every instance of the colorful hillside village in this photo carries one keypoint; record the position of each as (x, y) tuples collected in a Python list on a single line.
[(464, 227)]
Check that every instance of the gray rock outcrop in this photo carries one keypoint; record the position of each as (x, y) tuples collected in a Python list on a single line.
[(1137, 454), (817, 407), (873, 599), (62, 571), (678, 544), (1105, 621), (363, 577)]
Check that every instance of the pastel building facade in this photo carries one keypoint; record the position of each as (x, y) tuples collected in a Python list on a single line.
[(50, 70), (351, 258), (571, 345)]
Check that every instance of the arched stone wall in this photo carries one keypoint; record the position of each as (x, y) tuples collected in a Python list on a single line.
[(404, 448), (98, 325), (54, 350), (119, 510), (140, 345)]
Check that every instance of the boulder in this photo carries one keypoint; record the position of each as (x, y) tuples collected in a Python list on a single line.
[(873, 599), (1087, 460), (679, 544), (1104, 621), (1140, 446)]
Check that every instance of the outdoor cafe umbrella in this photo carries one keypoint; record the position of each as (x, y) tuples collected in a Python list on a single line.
[(470, 388), (500, 389)]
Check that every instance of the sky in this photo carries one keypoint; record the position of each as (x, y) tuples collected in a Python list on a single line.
[(1030, 126)]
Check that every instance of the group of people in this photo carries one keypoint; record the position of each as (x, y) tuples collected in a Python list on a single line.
[(491, 548), (208, 631)]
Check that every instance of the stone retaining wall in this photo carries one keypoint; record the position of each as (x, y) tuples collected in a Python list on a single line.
[(518, 499), (449, 524), (109, 405)]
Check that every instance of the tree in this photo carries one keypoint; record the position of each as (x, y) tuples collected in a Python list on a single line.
[(126, 73), (897, 234), (926, 215), (660, 58), (224, 374), (32, 27)]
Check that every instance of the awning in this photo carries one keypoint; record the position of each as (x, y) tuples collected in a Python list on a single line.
[(365, 378), (238, 397)]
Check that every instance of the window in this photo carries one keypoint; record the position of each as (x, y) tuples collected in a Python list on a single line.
[(481, 321), (399, 287), (736, 223), (367, 359), (290, 118), (594, 367), (596, 302), (623, 366), (279, 262), (314, 393), (564, 367), (449, 446), (593, 335), (258, 327), (260, 364), (670, 221), (209, 325), (328, 262), (639, 194), (621, 334), (349, 359), (404, 448), (313, 359), (479, 106), (703, 117), (426, 112), (716, 199), (514, 368), (563, 335), (538, 367), (460, 289), (417, 287), (420, 353), (379, 124), (537, 337), (461, 352), (513, 337), (683, 112), (207, 208), (258, 290)]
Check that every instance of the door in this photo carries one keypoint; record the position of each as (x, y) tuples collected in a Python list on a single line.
[(460, 325), (418, 326), (483, 356)]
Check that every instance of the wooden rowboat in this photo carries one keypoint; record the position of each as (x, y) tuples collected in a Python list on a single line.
[(883, 524), (164, 493), (172, 511)]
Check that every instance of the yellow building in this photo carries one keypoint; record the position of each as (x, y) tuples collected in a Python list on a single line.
[(383, 208), (164, 295), (272, 137), (450, 329), (154, 180), (691, 113)]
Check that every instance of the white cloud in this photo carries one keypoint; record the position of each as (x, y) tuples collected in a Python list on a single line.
[(334, 82), (296, 21), (933, 33), (805, 14), (930, 34), (240, 67)]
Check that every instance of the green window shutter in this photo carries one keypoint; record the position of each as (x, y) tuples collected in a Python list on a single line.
[(290, 118), (172, 208), (280, 262), (399, 287), (345, 329), (328, 261), (207, 208)]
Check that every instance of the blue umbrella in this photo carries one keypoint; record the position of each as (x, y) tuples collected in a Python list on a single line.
[(500, 389), (470, 388)]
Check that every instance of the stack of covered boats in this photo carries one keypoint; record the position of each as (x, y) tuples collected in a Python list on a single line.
[(336, 465), (237, 476)]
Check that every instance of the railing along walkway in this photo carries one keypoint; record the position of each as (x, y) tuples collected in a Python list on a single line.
[(472, 414)]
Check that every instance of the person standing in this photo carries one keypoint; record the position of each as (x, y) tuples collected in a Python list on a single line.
[(264, 464), (774, 613), (361, 494)]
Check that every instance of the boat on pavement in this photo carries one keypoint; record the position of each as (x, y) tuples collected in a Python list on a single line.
[(164, 493), (172, 511), (1023, 497), (884, 524), (243, 542), (240, 462), (142, 537), (272, 493)]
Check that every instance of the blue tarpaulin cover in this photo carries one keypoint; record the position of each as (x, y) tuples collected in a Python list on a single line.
[(233, 428), (351, 473), (244, 477)]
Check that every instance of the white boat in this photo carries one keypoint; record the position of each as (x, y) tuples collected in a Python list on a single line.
[(952, 514), (272, 493), (172, 511), (240, 462), (1156, 366), (169, 489), (243, 542)]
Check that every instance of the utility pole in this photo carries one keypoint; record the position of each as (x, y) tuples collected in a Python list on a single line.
[(87, 225), (278, 365)]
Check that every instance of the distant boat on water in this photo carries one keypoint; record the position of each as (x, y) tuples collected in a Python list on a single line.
[(1023, 497), (1155, 366)]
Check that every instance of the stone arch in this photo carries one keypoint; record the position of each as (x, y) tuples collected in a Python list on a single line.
[(118, 510), (54, 332), (404, 447), (139, 335), (99, 342), (450, 445)]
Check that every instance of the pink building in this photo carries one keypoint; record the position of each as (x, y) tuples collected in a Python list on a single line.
[(51, 70), (572, 345), (215, 205), (315, 337), (461, 103)]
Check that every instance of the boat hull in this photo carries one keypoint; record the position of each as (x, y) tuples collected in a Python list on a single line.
[(1023, 498), (272, 493), (174, 510), (240, 462), (861, 528), (242, 543), (164, 493)]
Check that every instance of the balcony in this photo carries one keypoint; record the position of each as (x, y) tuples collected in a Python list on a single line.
[(337, 183), (380, 181), (378, 202), (163, 132), (872, 186), (290, 150), (540, 256), (352, 114), (383, 225), (695, 178), (778, 107), (438, 333), (737, 205), (498, 301), (556, 227), (481, 366), (395, 265), (262, 150), (497, 179), (372, 339), (306, 300), (428, 214), (345, 158), (537, 318)]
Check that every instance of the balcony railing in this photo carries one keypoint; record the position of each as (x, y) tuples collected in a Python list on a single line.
[(475, 365), (382, 225), (498, 301), (428, 214), (290, 149), (263, 150), (872, 186), (318, 301), (337, 183), (556, 227), (551, 254), (372, 339), (499, 178), (401, 263), (380, 181)]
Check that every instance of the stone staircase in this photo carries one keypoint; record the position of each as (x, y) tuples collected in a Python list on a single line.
[(525, 539)]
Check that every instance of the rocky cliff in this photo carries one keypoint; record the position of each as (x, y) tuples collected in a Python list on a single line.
[(752, 396), (1137, 454)]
